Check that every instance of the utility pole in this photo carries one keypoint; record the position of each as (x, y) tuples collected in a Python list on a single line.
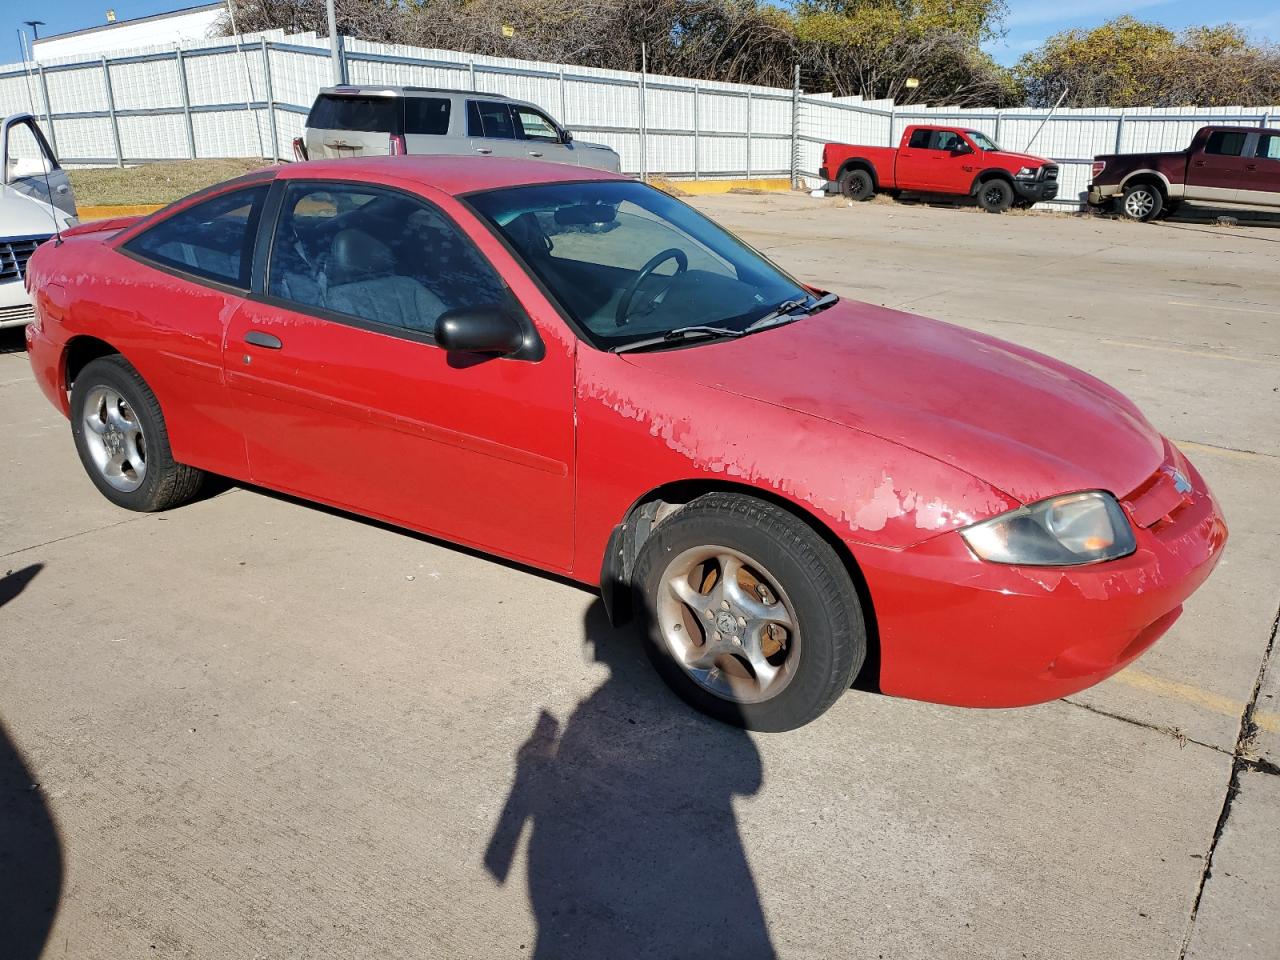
[(335, 48)]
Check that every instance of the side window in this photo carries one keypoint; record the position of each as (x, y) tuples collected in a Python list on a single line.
[(375, 255), (426, 115), (1268, 146), (1226, 143), (535, 126), (27, 154), (946, 140), (486, 118), (213, 239), (920, 139)]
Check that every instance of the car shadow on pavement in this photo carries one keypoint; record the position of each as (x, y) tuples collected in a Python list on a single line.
[(633, 848), (30, 852)]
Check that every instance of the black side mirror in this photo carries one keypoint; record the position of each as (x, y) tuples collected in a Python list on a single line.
[(566, 136), (960, 149), (485, 329)]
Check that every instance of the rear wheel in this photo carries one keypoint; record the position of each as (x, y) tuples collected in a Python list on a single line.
[(751, 617), (1142, 202), (121, 437), (857, 185), (995, 196)]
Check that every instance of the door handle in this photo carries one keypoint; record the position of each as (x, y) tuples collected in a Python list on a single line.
[(266, 340), (1251, 166), (484, 150), (534, 153), (1199, 163)]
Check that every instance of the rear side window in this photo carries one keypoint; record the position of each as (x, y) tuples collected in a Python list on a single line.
[(1225, 143), (426, 115), (920, 139), (488, 119), (359, 114), (946, 140), (1269, 146), (213, 239)]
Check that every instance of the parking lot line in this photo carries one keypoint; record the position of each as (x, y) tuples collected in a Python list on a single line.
[(1265, 719)]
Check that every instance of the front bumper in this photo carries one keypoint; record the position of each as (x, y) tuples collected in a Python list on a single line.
[(15, 304), (958, 630), (1035, 191)]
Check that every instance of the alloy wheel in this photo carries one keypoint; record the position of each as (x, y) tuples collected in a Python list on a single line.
[(114, 438), (1139, 204), (728, 623)]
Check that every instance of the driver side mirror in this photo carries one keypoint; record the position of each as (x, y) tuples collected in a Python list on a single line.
[(485, 329), (566, 136), (960, 149)]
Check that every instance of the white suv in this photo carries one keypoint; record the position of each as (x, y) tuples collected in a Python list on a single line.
[(35, 203), (354, 121)]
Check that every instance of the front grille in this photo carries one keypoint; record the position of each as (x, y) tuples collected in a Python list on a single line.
[(22, 313), (1049, 172), (14, 255)]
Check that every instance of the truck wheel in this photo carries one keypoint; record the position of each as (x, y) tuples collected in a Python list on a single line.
[(857, 185), (750, 615), (995, 196), (1142, 202)]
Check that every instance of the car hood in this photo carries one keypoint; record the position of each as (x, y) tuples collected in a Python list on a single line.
[(22, 216), (1023, 159), (1020, 421)]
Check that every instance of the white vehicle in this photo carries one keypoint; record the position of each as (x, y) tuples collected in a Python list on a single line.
[(354, 121), (35, 202)]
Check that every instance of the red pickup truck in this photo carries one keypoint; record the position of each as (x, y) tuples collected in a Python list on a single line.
[(1223, 166), (940, 160)]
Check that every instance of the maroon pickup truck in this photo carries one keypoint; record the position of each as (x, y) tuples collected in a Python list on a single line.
[(1224, 166)]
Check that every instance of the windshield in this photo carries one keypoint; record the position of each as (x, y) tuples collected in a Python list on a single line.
[(981, 140), (627, 262)]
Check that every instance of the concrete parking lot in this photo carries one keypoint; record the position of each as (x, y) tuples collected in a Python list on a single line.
[(251, 728)]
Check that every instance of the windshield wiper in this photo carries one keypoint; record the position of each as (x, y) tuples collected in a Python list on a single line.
[(676, 335), (791, 310)]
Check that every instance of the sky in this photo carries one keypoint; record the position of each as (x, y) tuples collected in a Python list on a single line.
[(1029, 21)]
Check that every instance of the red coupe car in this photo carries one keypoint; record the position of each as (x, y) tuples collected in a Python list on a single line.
[(576, 371)]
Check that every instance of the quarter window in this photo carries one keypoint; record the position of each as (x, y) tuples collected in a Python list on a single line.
[(212, 240), (426, 115), (1225, 143), (376, 256), (491, 120)]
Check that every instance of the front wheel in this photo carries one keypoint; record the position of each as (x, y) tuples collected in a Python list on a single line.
[(1142, 202), (995, 196), (122, 440), (750, 615)]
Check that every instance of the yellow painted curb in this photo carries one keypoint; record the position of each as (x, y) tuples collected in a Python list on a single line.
[(128, 210), (700, 188)]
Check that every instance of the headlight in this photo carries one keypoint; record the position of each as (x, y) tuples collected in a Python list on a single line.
[(1026, 173), (1071, 529)]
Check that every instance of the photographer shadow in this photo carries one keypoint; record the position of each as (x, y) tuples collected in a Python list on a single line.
[(634, 849)]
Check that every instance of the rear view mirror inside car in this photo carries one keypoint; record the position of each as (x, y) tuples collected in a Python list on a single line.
[(581, 214)]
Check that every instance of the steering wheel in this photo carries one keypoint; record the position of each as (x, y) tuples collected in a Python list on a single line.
[(671, 253)]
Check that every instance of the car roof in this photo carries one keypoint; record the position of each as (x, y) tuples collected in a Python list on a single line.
[(390, 89), (449, 174)]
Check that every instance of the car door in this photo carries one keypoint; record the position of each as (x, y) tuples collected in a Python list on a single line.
[(1216, 172), (345, 397), (918, 159), (541, 136), (197, 273), (343, 125), (492, 130), (1260, 181), (29, 166)]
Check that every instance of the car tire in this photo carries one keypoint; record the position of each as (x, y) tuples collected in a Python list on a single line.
[(1142, 202), (995, 196), (857, 185), (122, 440), (774, 651)]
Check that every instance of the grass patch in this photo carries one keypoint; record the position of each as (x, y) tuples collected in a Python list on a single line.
[(153, 182)]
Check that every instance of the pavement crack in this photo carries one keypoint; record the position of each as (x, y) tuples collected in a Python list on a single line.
[(1173, 732), (1241, 760), (72, 536)]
